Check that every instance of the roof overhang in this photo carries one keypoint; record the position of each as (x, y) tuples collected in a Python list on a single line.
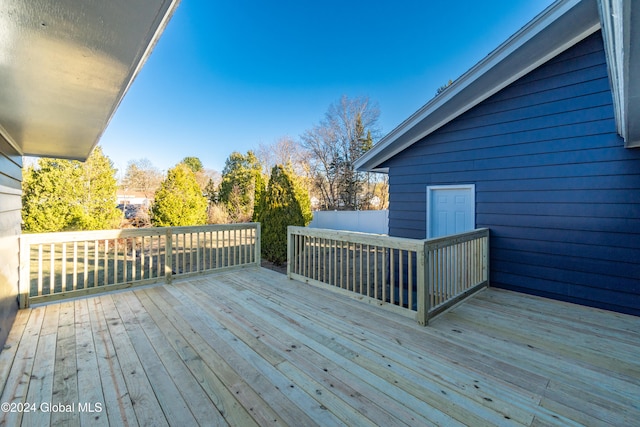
[(65, 66), (557, 28), (620, 21)]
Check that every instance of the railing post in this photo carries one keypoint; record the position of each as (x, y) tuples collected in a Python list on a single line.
[(258, 247), (422, 315), (24, 282), (168, 255), (290, 248), (486, 258)]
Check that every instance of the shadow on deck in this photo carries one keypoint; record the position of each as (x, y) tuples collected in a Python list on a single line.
[(250, 347)]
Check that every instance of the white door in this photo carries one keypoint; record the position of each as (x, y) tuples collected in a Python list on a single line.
[(450, 209)]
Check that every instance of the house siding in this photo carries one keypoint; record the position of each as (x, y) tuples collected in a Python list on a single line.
[(10, 220), (554, 183)]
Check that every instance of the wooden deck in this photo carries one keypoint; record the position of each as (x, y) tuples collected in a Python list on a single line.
[(250, 347)]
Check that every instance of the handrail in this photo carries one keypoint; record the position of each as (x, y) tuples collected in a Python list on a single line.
[(359, 237), (67, 264), (419, 278)]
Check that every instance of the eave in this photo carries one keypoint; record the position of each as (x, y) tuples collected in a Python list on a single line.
[(620, 20), (66, 65), (560, 26)]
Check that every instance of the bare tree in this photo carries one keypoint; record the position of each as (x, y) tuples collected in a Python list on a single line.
[(347, 132), (284, 151), (291, 154), (142, 176)]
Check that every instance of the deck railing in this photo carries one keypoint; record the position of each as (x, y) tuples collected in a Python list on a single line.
[(419, 278), (63, 265)]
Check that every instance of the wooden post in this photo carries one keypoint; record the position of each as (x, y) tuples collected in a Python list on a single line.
[(422, 302), (258, 244), (24, 273), (487, 265), (290, 253), (168, 256)]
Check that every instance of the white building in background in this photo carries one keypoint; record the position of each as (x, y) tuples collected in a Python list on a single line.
[(133, 198)]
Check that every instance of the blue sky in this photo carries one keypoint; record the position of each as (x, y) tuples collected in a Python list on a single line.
[(228, 75)]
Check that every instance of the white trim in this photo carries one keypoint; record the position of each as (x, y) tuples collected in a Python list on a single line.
[(619, 18), (612, 33), (5, 135), (430, 189)]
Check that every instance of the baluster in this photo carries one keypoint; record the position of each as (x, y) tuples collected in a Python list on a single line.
[(40, 269)]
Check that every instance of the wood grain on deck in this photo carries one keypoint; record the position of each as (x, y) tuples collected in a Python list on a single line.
[(250, 347)]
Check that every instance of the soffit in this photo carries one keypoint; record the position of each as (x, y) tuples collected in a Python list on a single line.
[(65, 66)]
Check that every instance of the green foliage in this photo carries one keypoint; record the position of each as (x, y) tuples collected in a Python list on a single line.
[(179, 200), (61, 195), (241, 185), (260, 188), (351, 182), (48, 195), (194, 163), (285, 203), (211, 192)]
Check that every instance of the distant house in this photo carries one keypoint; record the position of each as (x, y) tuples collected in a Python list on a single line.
[(540, 143), (125, 197), (65, 69)]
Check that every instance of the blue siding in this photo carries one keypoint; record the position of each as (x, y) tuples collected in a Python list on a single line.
[(554, 183), (10, 220)]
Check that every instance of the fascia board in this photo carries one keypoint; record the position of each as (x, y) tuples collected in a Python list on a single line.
[(620, 20)]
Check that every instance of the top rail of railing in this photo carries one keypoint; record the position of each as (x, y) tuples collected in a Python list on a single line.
[(360, 238), (77, 236)]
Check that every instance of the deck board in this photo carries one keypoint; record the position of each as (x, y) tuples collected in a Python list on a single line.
[(139, 389), (117, 402), (250, 347), (41, 385), (87, 366)]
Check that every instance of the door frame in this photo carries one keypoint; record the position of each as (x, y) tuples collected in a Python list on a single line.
[(431, 188)]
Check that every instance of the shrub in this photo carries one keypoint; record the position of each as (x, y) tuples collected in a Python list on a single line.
[(218, 214), (179, 201), (284, 203)]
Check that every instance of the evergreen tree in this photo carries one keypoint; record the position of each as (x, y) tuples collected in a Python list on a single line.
[(259, 193), (49, 190), (241, 185), (351, 181), (60, 195), (211, 191), (179, 200), (285, 203), (194, 163), (98, 196)]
